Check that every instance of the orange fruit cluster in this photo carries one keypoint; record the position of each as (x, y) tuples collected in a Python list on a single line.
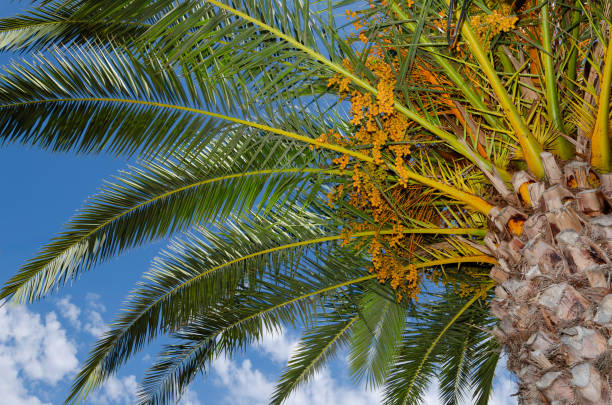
[(381, 188), (487, 26)]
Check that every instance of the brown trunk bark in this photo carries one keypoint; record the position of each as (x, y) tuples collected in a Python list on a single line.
[(554, 296)]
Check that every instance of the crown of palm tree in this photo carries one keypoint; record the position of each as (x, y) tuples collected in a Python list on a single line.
[(229, 106)]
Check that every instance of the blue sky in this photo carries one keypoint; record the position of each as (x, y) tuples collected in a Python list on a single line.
[(42, 345)]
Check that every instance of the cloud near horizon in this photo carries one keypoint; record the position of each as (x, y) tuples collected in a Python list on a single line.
[(248, 385), (33, 351), (36, 356)]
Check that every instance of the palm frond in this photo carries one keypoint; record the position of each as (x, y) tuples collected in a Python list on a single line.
[(273, 304), (484, 371), (414, 367), (467, 345), (318, 292), (200, 271), (317, 345), (162, 198), (228, 326), (89, 100), (375, 338), (66, 23), (223, 50), (127, 106)]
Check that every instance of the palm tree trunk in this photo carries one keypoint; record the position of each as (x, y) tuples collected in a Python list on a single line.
[(554, 296)]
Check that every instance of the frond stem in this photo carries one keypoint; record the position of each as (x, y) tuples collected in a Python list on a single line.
[(440, 231), (470, 259), (208, 181), (461, 259), (263, 127), (447, 137), (600, 140), (530, 146), (573, 43), (443, 331), (476, 202), (322, 352), (563, 148)]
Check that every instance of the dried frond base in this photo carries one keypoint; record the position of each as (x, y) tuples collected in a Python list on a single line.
[(554, 295)]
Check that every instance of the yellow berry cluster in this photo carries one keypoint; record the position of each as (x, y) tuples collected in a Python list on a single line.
[(382, 188), (487, 26), (380, 132)]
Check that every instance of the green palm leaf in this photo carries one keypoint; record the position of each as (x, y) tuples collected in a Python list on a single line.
[(318, 344), (375, 338), (111, 101), (484, 371), (100, 101), (228, 55), (225, 329), (195, 273), (422, 345), (466, 346), (63, 23), (162, 198)]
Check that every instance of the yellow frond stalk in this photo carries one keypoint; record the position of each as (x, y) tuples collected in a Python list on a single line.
[(600, 138), (529, 145)]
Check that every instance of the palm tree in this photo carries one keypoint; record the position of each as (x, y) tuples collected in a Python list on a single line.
[(438, 164)]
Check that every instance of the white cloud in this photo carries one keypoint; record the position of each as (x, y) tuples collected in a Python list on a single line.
[(32, 351), (93, 300), (95, 324), (504, 385), (278, 346), (321, 389), (324, 389), (40, 348), (124, 391), (69, 311), (189, 398), (117, 391), (249, 386), (503, 389), (12, 386)]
